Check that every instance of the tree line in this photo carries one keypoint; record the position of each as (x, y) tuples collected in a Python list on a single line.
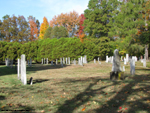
[(125, 23)]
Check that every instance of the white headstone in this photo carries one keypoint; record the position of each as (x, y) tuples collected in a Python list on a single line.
[(94, 61), (106, 59), (23, 70), (125, 62), (127, 57), (98, 59)]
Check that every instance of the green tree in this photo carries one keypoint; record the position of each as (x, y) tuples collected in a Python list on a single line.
[(58, 32), (126, 24), (98, 15), (48, 33)]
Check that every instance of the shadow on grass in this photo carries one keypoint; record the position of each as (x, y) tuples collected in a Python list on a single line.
[(121, 95), (4, 70)]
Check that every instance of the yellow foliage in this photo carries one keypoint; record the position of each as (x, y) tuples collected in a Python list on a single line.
[(43, 28)]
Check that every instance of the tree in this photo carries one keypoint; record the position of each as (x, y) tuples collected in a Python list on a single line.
[(68, 20), (33, 28), (43, 28), (98, 15), (58, 32), (81, 27), (48, 33), (126, 25)]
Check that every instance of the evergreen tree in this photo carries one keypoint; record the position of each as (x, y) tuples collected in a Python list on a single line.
[(125, 26), (58, 32), (98, 16), (48, 33)]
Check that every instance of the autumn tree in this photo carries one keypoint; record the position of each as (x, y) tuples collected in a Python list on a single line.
[(43, 28), (33, 28), (81, 28), (68, 20)]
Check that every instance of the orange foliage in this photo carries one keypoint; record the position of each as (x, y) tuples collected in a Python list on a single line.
[(43, 28), (67, 20), (82, 37), (34, 30)]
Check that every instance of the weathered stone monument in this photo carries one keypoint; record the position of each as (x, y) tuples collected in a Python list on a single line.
[(52, 62), (116, 67), (23, 70), (66, 61), (132, 66)]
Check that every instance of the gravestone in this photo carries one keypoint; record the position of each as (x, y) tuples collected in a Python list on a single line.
[(19, 69), (106, 59), (7, 61), (121, 58), (69, 60), (63, 60), (60, 60), (42, 61), (125, 62), (74, 62), (28, 62), (94, 61), (23, 70), (31, 81), (56, 61), (61, 63), (78, 61), (144, 62), (132, 66), (112, 59), (11, 63), (85, 59), (116, 68), (47, 60), (127, 57), (52, 62), (98, 59)]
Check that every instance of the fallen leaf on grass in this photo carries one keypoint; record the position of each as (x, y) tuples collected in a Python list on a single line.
[(83, 109)]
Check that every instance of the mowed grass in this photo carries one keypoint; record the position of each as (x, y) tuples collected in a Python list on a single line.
[(75, 89)]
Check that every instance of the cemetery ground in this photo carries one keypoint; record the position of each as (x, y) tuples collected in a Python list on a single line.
[(75, 89)]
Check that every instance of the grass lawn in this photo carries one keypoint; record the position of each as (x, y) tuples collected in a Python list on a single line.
[(75, 89)]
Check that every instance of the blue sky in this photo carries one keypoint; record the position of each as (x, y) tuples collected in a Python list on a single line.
[(41, 8)]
